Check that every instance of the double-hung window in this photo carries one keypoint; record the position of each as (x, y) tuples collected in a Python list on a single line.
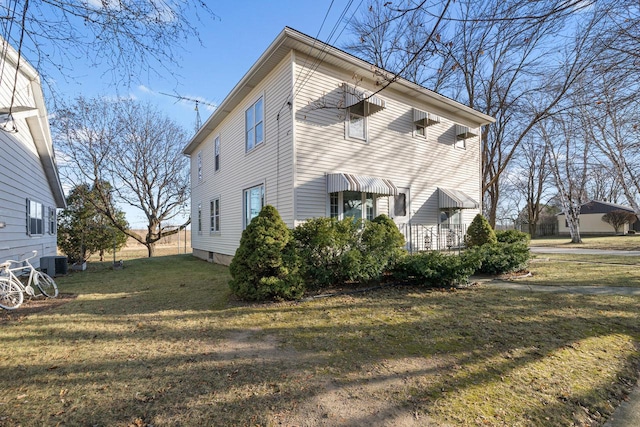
[(215, 215), (254, 124), (253, 203), (199, 218), (199, 161), (35, 218), (216, 153), (357, 125)]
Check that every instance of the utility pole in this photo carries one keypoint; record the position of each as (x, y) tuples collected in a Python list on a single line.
[(196, 101)]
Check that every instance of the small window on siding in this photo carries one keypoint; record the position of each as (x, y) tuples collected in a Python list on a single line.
[(199, 218), (52, 220), (216, 153), (215, 215), (199, 160), (356, 126), (35, 218)]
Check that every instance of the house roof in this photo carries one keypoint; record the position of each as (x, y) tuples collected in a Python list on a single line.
[(38, 123), (599, 207), (290, 39)]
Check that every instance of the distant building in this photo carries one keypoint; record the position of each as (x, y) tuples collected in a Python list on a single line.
[(591, 222), (306, 131), (30, 189)]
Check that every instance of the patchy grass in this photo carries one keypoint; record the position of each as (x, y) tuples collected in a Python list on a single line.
[(162, 343), (630, 242), (582, 273)]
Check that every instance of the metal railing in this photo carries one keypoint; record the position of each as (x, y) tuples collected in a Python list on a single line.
[(421, 237)]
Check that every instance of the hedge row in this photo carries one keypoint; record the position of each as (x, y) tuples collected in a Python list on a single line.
[(274, 262)]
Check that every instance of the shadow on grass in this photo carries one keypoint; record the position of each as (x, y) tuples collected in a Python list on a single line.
[(141, 345)]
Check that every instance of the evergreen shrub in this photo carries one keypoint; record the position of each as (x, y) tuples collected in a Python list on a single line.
[(437, 269), (265, 265), (512, 236), (479, 232), (500, 258)]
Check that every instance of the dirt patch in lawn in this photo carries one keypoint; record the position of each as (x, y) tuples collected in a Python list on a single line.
[(33, 306)]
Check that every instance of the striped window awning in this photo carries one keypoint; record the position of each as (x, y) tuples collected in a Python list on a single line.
[(455, 199), (425, 119), (337, 182), (463, 132), (360, 103)]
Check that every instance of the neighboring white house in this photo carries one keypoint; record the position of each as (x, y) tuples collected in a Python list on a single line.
[(30, 189), (306, 131), (591, 222)]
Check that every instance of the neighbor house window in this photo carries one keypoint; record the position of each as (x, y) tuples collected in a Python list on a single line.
[(253, 203), (215, 215), (254, 124), (199, 218), (216, 153), (356, 126), (52, 220), (35, 218), (199, 161)]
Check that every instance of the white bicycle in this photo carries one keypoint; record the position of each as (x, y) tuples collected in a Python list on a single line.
[(12, 289)]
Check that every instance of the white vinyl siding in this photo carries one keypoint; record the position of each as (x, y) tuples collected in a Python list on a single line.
[(391, 152), (240, 170)]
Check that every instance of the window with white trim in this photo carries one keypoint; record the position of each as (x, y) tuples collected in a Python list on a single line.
[(215, 215), (253, 203), (356, 125), (254, 124), (353, 204), (420, 130), (216, 153), (35, 218), (199, 161), (199, 218)]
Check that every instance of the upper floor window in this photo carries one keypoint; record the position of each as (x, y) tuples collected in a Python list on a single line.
[(35, 218), (254, 124), (462, 134), (199, 161), (357, 125), (422, 120), (216, 153)]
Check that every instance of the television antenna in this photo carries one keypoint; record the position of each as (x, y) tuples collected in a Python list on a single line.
[(196, 101)]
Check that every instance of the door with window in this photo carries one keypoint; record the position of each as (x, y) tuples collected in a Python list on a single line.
[(400, 206)]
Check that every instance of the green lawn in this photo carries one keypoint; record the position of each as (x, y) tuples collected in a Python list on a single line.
[(630, 242), (162, 343)]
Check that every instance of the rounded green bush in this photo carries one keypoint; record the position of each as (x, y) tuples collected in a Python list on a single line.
[(265, 265), (479, 232)]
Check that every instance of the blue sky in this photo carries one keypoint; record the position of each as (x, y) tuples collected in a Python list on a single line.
[(231, 45)]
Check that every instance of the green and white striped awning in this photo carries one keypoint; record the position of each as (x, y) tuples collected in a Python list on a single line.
[(455, 199), (337, 182)]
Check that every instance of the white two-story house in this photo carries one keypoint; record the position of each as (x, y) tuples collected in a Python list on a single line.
[(30, 189), (309, 131)]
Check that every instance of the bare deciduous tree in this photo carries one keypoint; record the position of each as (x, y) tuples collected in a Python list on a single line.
[(134, 148), (617, 219), (126, 37)]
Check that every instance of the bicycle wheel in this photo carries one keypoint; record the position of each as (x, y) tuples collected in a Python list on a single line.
[(46, 284), (11, 295)]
